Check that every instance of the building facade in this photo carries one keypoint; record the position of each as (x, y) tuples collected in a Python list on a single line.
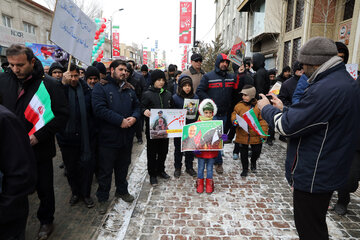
[(23, 21), (304, 19)]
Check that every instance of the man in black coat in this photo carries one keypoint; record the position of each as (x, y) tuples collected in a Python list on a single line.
[(17, 176), (117, 108), (17, 88), (288, 87), (74, 140), (261, 77)]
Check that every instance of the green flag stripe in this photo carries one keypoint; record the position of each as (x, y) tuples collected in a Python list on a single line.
[(44, 97), (252, 113)]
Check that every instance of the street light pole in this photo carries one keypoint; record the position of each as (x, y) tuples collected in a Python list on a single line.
[(111, 35)]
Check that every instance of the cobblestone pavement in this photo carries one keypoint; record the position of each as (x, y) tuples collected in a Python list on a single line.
[(71, 223), (257, 207)]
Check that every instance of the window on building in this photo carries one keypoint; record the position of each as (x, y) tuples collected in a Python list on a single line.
[(289, 15), (299, 15), (48, 37), (295, 50), (349, 9), (6, 21), (29, 28), (287, 50)]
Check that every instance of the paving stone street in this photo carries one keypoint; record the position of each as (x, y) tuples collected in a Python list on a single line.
[(256, 207)]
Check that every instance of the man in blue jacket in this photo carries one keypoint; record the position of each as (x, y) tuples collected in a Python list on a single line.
[(322, 128), (116, 106), (218, 85)]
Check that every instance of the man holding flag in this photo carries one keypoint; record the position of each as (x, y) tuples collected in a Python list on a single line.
[(40, 104)]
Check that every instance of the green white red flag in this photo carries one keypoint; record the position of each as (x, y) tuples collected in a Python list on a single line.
[(39, 112), (253, 122)]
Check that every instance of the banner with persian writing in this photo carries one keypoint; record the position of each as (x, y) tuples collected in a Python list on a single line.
[(73, 30)]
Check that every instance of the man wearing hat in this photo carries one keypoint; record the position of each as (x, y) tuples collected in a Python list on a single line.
[(92, 76), (145, 72), (195, 71), (322, 129), (56, 70), (102, 69)]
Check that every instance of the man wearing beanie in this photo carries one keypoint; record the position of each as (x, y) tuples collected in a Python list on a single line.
[(56, 70), (288, 87), (145, 72), (102, 69), (92, 76), (116, 106), (218, 85), (195, 71), (322, 129)]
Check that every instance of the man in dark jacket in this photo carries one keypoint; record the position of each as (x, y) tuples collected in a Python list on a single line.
[(218, 85), (145, 72), (74, 140), (17, 176), (17, 88), (195, 71), (288, 87), (284, 75), (116, 106), (322, 128), (261, 77), (171, 81)]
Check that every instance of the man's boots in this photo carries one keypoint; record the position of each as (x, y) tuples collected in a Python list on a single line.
[(200, 185), (209, 185)]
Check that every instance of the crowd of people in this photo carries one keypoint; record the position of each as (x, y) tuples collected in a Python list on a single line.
[(98, 111)]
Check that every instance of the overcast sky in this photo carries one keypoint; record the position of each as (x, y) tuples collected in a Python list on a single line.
[(158, 20)]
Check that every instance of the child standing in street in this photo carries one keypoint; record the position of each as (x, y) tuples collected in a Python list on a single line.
[(184, 90), (207, 110), (156, 97), (244, 139)]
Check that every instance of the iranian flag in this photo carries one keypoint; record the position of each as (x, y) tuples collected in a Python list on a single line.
[(253, 122), (39, 112)]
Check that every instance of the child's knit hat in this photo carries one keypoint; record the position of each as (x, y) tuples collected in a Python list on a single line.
[(156, 75), (249, 91), (207, 104)]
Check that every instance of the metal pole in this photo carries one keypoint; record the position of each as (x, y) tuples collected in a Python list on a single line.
[(111, 39), (194, 43)]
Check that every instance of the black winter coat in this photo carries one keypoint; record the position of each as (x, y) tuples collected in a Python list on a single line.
[(18, 166), (111, 105), (219, 86), (17, 103), (261, 77), (287, 90)]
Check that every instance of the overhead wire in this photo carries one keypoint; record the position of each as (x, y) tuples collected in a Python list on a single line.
[(227, 4)]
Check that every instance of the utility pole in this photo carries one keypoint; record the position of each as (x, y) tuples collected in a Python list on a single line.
[(194, 41)]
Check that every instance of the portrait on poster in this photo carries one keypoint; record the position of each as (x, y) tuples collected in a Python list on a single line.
[(166, 123), (202, 136), (191, 106)]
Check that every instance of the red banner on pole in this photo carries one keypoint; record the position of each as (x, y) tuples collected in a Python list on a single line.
[(184, 58), (185, 22), (116, 45), (145, 59)]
